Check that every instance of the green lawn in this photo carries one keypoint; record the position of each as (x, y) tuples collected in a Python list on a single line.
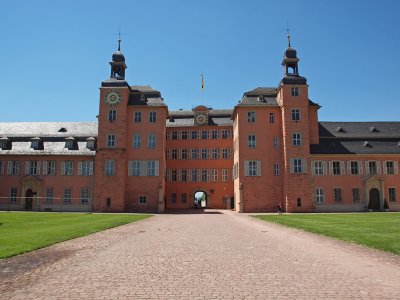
[(22, 232), (376, 230)]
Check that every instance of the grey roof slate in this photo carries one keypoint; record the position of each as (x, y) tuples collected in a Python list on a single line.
[(49, 148), (334, 146), (48, 129), (184, 118), (359, 130)]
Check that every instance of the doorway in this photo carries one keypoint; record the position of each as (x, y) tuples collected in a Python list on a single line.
[(374, 199), (28, 199), (200, 199)]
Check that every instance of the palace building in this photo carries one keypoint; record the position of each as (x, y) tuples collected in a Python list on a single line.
[(141, 157)]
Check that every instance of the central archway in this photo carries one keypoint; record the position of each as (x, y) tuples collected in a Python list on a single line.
[(200, 199), (374, 199), (29, 199)]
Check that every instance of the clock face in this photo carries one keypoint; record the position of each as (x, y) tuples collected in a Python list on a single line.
[(112, 97), (201, 119)]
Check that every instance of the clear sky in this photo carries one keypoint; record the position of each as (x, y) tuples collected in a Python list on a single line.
[(54, 54)]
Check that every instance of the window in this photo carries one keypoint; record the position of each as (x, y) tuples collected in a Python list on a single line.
[(296, 139), (13, 167), (151, 141), (173, 198), (49, 195), (214, 134), (213, 175), (109, 168), (67, 195), (252, 168), (151, 168), (85, 168), (35, 143), (84, 196), (195, 153), (183, 198), (298, 202), (136, 140), (297, 165), (276, 143), (295, 91), (194, 135), (138, 116), (276, 169), (108, 202), (336, 168), (356, 195), (224, 175), (204, 134), (13, 195), (69, 143), (174, 135), (112, 115), (111, 140), (226, 153), (204, 153), (392, 194), (372, 167), (224, 200), (225, 134), (174, 153), (67, 168), (1, 167), (185, 135), (252, 141), (354, 168), (214, 153), (204, 175), (184, 153), (152, 117), (271, 118), (142, 200), (390, 167), (49, 167), (318, 168), (32, 168), (183, 175), (337, 194), (194, 175), (251, 116), (296, 114), (319, 195), (134, 168)]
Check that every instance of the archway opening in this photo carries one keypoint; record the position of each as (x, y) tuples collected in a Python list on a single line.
[(374, 199), (200, 199), (28, 199)]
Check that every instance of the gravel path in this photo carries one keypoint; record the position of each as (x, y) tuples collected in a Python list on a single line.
[(215, 255)]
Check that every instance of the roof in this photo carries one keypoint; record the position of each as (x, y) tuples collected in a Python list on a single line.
[(48, 129), (49, 148), (358, 138), (185, 118), (145, 95)]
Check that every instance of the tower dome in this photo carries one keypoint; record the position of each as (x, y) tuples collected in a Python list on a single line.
[(290, 53), (118, 56)]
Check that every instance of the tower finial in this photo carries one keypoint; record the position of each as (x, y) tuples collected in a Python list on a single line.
[(288, 37), (288, 33), (119, 41)]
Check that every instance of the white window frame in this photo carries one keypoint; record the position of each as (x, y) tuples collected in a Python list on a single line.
[(109, 167), (111, 141), (319, 195), (152, 141), (296, 139), (251, 141)]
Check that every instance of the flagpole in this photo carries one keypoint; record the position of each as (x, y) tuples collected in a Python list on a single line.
[(202, 89)]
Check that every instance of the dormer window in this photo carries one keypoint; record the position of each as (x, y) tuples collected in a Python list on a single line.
[(5, 143), (367, 144), (142, 97), (373, 129), (70, 143), (90, 143), (62, 129), (35, 143), (340, 129)]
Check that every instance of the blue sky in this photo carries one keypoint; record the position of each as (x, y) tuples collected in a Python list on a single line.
[(54, 54)]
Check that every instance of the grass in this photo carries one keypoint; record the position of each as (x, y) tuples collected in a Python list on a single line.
[(22, 232), (375, 230)]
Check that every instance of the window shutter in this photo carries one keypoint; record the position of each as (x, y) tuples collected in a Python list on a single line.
[(324, 167), (342, 168), (45, 168), (208, 153), (168, 175), (27, 167), (199, 173), (360, 167), (304, 165), (385, 167), (349, 167), (143, 168), (157, 166), (63, 168), (246, 168), (79, 168), (130, 168), (38, 168), (258, 167), (9, 168), (378, 167), (396, 167), (169, 153), (291, 165), (330, 167), (91, 168), (367, 167)]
